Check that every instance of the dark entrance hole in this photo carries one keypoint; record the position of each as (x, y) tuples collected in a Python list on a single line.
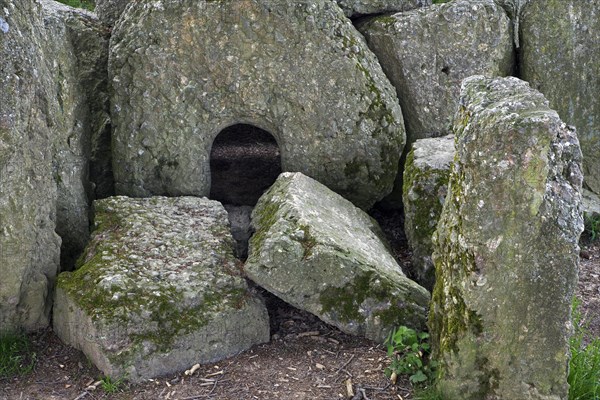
[(244, 163)]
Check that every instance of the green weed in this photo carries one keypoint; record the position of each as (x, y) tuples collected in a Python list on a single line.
[(584, 367), (16, 357), (85, 4), (592, 226), (111, 386), (409, 352)]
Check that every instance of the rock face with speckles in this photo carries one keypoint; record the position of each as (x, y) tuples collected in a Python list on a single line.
[(355, 8), (158, 289), (181, 72), (427, 52), (506, 247), (318, 252), (425, 185), (560, 41)]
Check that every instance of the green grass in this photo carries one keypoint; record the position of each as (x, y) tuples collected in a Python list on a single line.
[(592, 227), (584, 367), (86, 4), (111, 386), (16, 357)]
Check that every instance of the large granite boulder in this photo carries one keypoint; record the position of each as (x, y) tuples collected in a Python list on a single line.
[(109, 11), (425, 185), (560, 41), (29, 247), (318, 252), (356, 8), (427, 53), (75, 57), (158, 289), (506, 247), (183, 71)]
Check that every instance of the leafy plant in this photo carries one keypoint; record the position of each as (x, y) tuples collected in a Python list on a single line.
[(111, 386), (409, 352), (584, 367), (16, 357), (86, 4), (592, 225)]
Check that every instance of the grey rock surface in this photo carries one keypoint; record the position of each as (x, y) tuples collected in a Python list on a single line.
[(425, 185), (158, 289), (427, 53), (506, 247), (181, 72), (591, 204), (560, 41), (356, 8), (109, 11), (315, 250), (75, 56), (241, 229)]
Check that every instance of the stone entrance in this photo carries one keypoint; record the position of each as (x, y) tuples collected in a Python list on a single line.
[(244, 163)]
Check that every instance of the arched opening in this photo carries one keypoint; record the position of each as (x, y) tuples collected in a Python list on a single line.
[(244, 163)]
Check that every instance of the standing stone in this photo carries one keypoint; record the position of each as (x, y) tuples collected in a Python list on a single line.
[(318, 252), (356, 8), (29, 247), (506, 247), (158, 290), (425, 184), (560, 42), (183, 71), (427, 53)]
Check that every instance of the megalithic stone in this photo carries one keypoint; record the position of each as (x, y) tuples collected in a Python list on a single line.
[(506, 247)]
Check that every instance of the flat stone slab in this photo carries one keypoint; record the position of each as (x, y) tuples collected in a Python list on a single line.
[(318, 252), (425, 185), (158, 289), (356, 8)]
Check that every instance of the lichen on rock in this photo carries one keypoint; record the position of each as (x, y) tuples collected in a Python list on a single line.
[(506, 247)]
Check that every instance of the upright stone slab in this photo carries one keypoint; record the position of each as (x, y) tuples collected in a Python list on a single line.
[(425, 184), (560, 42), (506, 247), (183, 71), (356, 8), (318, 252), (427, 53), (158, 290)]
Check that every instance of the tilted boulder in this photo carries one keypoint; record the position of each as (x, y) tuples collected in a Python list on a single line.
[(29, 247), (427, 53), (425, 185), (560, 41), (158, 289), (183, 71), (318, 252), (355, 8), (506, 247)]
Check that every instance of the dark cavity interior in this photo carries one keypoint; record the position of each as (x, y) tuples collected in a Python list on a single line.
[(244, 163)]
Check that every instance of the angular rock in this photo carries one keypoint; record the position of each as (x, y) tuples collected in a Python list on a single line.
[(76, 56), (426, 53), (109, 11), (158, 289), (506, 247), (560, 41), (29, 247), (318, 252), (591, 205), (356, 8), (425, 185), (183, 71)]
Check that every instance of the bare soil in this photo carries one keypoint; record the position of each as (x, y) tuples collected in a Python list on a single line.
[(305, 359)]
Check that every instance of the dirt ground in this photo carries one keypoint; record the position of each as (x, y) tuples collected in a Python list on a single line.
[(305, 359)]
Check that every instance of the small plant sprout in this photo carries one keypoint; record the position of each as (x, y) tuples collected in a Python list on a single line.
[(110, 385), (409, 352)]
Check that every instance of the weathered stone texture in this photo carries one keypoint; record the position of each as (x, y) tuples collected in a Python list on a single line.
[(506, 247), (426, 53), (109, 11), (29, 247), (425, 184), (158, 289), (355, 8), (318, 252), (183, 71), (560, 42)]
